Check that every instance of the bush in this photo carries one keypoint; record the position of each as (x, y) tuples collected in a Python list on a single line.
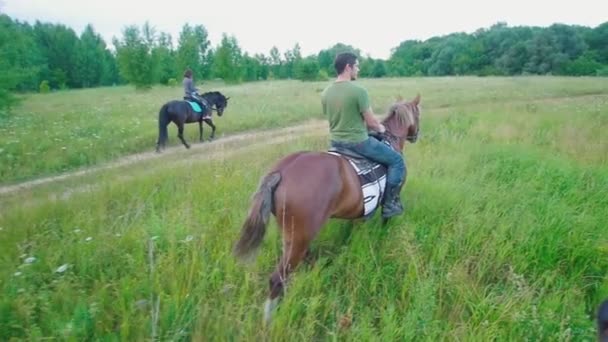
[(172, 82), (44, 87), (322, 76), (602, 72), (584, 65), (307, 70)]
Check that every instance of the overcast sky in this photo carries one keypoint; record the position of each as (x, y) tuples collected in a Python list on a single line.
[(374, 26)]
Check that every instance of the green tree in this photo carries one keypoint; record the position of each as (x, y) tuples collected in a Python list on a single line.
[(379, 69), (276, 63), (58, 44), (263, 66), (292, 58), (20, 61), (366, 66), (193, 51), (250, 68), (307, 69), (228, 60), (166, 58), (326, 57), (584, 65), (136, 62), (597, 40), (89, 58)]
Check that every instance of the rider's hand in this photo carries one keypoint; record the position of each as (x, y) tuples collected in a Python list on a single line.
[(382, 129)]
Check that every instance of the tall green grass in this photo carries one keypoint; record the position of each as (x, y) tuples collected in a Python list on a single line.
[(53, 133), (504, 238)]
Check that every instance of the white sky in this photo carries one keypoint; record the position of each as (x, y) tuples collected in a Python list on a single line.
[(375, 27)]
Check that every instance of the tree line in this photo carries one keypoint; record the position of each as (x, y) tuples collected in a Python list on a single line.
[(41, 57)]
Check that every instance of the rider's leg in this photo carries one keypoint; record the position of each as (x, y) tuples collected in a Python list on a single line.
[(381, 153)]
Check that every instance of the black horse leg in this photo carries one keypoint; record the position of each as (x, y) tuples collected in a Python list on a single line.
[(180, 134), (210, 123), (200, 128)]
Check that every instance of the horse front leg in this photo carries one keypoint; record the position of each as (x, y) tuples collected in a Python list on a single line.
[(210, 123), (200, 128)]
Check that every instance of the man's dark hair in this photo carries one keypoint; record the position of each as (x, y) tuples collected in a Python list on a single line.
[(188, 73), (343, 59)]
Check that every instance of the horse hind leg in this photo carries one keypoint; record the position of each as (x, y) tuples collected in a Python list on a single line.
[(180, 134), (294, 252), (297, 235)]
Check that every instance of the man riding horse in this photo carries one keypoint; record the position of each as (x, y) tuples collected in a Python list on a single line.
[(346, 105)]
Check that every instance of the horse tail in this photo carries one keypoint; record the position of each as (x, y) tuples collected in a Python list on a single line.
[(254, 228), (163, 121)]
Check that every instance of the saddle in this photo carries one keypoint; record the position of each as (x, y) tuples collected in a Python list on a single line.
[(372, 178), (196, 105)]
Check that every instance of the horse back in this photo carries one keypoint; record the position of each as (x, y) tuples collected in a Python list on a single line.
[(321, 181), (180, 110)]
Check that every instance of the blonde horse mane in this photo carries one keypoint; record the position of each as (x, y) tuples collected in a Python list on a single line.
[(403, 112)]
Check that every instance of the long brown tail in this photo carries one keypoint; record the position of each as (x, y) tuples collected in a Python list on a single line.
[(254, 228)]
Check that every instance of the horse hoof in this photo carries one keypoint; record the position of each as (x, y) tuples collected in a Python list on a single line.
[(269, 307)]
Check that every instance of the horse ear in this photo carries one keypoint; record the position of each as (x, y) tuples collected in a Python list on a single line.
[(416, 99)]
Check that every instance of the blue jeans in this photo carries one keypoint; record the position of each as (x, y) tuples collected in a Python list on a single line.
[(380, 153)]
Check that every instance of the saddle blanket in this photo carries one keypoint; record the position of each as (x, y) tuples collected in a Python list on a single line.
[(195, 106), (372, 177)]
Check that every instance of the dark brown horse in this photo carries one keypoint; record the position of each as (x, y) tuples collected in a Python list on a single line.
[(602, 321), (180, 112), (305, 189)]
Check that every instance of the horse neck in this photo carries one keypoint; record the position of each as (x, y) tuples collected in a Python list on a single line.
[(209, 97), (392, 126)]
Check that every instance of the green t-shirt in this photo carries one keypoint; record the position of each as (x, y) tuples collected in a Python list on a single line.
[(344, 104)]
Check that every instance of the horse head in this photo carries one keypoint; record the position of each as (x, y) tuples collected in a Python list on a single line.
[(217, 99), (403, 122)]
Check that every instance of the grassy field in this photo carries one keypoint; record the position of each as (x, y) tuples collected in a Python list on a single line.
[(53, 133), (505, 235)]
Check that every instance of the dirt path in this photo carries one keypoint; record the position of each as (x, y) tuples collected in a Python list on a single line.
[(216, 148)]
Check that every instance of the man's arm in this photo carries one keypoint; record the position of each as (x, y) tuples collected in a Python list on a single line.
[(372, 122)]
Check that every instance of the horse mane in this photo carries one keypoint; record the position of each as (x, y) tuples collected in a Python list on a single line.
[(402, 112), (216, 93)]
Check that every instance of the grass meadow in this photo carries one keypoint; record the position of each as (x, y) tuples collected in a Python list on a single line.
[(505, 235)]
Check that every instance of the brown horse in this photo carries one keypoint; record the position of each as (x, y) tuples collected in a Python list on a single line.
[(305, 189)]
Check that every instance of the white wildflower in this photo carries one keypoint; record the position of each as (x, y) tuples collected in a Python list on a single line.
[(62, 268)]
